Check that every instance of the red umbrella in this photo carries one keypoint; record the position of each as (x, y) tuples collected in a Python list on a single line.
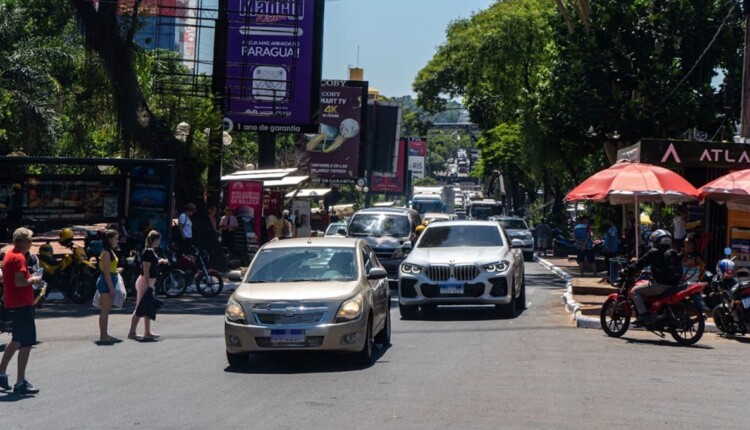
[(734, 187), (627, 182)]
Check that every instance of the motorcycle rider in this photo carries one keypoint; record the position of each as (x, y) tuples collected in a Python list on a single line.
[(666, 272)]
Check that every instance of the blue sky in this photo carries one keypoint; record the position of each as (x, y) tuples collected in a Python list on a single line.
[(396, 37)]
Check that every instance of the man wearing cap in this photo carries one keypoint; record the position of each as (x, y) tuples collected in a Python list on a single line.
[(185, 224)]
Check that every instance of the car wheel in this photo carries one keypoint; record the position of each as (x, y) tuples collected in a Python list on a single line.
[(365, 356), (237, 360), (384, 336), (508, 310), (408, 312), (521, 300)]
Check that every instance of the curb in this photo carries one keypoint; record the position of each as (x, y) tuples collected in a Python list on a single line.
[(573, 307)]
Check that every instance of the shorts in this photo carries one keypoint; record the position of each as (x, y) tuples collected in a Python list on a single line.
[(587, 254), (541, 243), (101, 284), (24, 327)]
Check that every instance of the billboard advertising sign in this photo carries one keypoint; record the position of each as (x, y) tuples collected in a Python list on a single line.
[(273, 73), (416, 165), (392, 182), (334, 153), (246, 198), (150, 205), (417, 148)]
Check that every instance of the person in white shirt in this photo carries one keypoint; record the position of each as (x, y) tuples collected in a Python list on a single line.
[(227, 226), (185, 223), (679, 229)]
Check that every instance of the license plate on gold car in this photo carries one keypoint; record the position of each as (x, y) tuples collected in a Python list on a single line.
[(287, 336)]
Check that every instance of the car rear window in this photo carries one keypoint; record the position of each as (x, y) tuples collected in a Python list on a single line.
[(379, 225), (460, 236), (513, 224)]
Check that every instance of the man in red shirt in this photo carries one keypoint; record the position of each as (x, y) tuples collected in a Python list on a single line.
[(18, 300)]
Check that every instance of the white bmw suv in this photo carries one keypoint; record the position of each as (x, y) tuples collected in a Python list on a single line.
[(462, 262)]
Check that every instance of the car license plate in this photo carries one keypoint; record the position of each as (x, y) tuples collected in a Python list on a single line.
[(746, 302), (287, 336), (452, 289)]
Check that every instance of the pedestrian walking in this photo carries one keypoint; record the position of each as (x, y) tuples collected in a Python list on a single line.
[(106, 284), (185, 227), (287, 229), (18, 300), (585, 245), (542, 236), (145, 305), (228, 225), (611, 243)]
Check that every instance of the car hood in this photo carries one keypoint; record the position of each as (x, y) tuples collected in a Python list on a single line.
[(387, 242), (296, 291), (478, 255)]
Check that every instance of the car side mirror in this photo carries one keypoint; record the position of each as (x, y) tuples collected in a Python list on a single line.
[(516, 243), (342, 232), (377, 273), (235, 276)]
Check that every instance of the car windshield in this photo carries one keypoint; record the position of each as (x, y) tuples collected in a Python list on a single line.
[(424, 207), (513, 224), (379, 225), (303, 264), (485, 211), (333, 229), (460, 236)]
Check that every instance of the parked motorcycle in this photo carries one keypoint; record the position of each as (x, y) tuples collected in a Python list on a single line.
[(170, 279), (732, 313), (674, 312), (73, 275), (208, 282)]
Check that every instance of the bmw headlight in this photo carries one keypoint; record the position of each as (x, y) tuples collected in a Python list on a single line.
[(234, 311), (410, 268), (350, 309), (499, 267)]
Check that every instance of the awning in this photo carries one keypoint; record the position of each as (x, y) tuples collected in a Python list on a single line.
[(309, 193), (259, 175), (289, 181)]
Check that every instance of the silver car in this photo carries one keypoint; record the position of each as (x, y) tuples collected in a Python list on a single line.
[(310, 294), (516, 228), (462, 262)]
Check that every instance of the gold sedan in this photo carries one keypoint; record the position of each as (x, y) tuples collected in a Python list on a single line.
[(326, 294)]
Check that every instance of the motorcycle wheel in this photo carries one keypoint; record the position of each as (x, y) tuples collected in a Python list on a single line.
[(174, 285), (688, 326), (615, 317), (82, 288), (722, 319), (209, 286)]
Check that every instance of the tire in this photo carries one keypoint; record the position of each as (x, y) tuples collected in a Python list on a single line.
[(408, 312), (209, 290), (615, 317), (689, 325), (521, 300), (237, 361), (365, 356), (722, 320), (384, 335), (174, 284), (82, 288), (508, 310)]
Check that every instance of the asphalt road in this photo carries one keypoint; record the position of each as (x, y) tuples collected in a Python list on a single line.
[(464, 368)]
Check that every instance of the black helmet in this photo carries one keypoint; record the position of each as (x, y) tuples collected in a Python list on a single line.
[(660, 239)]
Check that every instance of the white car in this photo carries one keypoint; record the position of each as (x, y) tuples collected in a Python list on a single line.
[(462, 262)]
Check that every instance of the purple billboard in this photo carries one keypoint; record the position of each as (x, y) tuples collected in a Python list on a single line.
[(333, 154), (274, 50)]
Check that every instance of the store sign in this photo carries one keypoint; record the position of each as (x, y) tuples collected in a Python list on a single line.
[(274, 61), (416, 166), (333, 153), (75, 199), (690, 153), (246, 199), (417, 147)]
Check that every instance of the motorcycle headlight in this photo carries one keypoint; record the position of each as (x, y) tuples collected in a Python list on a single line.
[(499, 267), (410, 268), (234, 311), (350, 309)]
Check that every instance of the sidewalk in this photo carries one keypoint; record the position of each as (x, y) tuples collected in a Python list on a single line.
[(584, 296)]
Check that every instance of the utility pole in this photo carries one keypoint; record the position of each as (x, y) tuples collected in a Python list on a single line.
[(218, 88), (745, 130)]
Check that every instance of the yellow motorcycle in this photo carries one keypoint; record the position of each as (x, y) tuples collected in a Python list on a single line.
[(73, 274)]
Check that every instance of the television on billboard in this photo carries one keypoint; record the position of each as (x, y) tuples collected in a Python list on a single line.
[(334, 153), (274, 63)]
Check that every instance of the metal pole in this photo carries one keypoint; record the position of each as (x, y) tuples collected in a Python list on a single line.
[(218, 87), (745, 129)]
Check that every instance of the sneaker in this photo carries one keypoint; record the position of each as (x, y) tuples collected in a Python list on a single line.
[(25, 388), (4, 382)]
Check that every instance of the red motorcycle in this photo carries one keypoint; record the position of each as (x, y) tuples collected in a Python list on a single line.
[(208, 282), (673, 312)]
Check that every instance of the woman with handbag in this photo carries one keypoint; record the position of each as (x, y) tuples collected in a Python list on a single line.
[(105, 285), (146, 302)]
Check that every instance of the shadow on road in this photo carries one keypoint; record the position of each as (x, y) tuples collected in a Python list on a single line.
[(544, 281), (187, 304), (9, 396), (738, 339), (293, 362), (465, 313), (664, 342)]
